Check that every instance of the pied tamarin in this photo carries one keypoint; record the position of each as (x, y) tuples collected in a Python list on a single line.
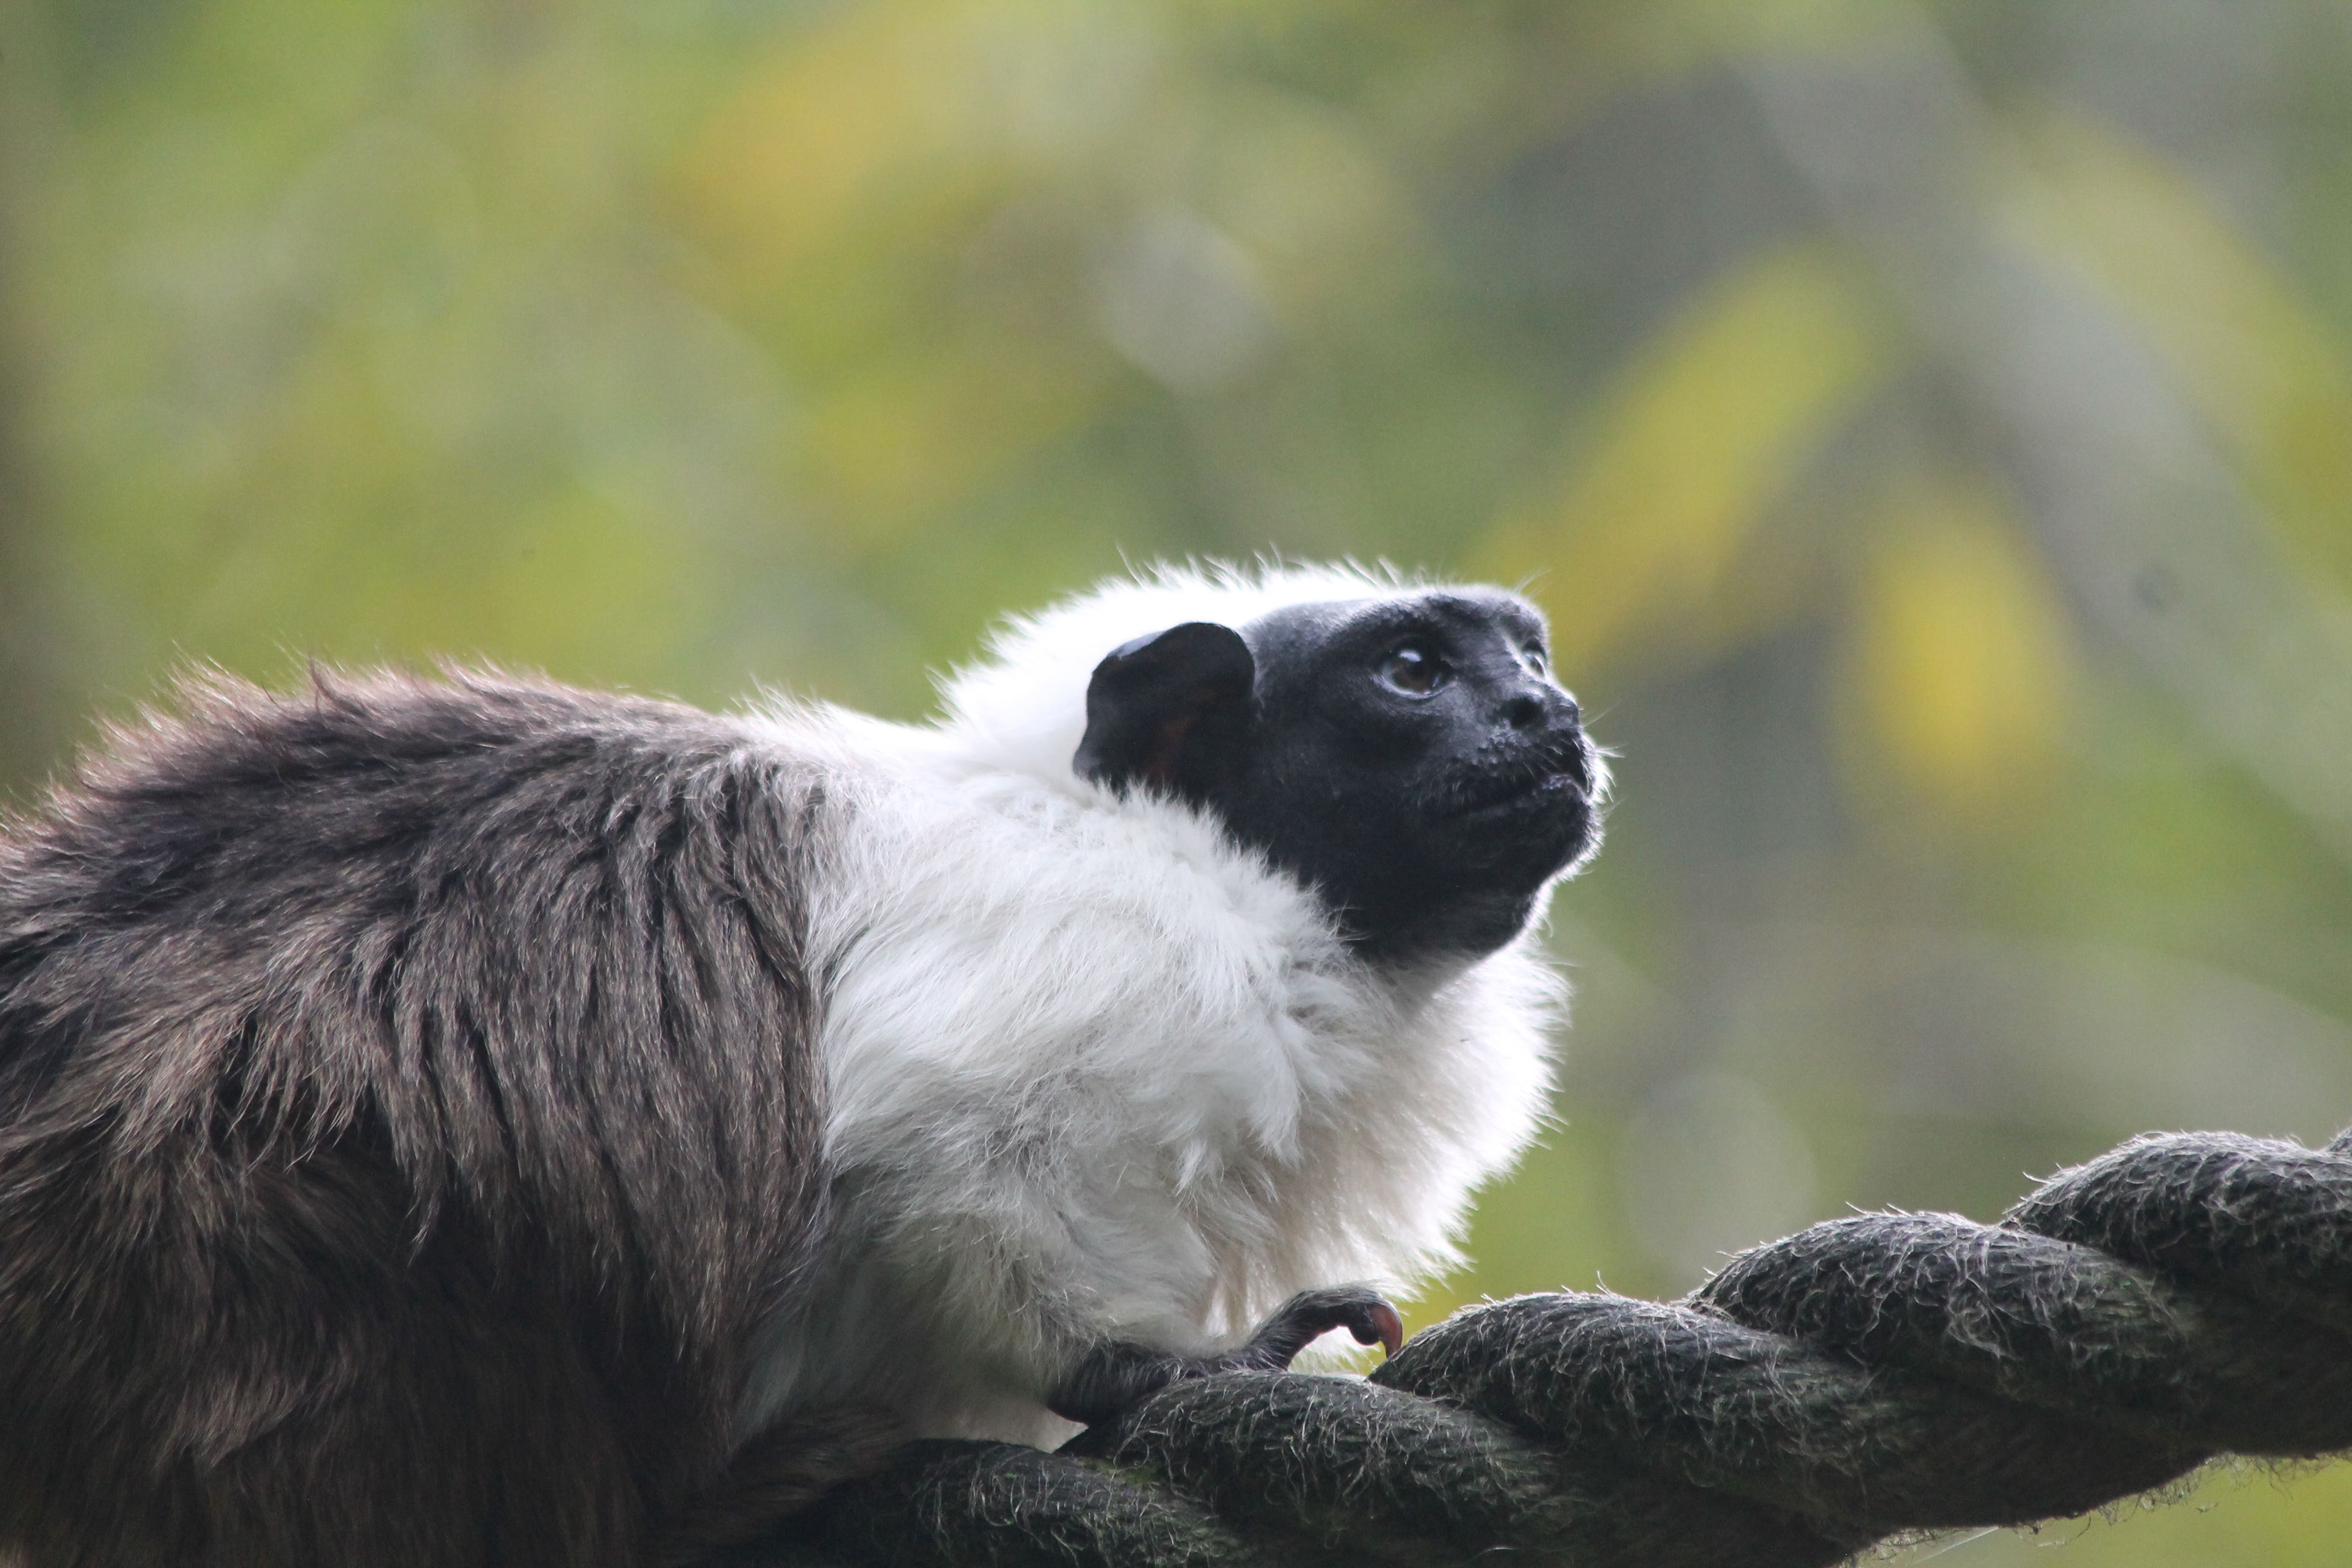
[(474, 1121)]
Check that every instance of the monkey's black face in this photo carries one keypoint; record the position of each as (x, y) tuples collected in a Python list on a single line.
[(1409, 757)]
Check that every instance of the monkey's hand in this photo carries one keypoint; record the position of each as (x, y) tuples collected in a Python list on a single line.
[(1117, 1375), (1308, 1317)]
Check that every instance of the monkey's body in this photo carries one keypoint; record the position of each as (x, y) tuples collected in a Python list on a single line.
[(440, 1123), (408, 1107), (1152, 1092)]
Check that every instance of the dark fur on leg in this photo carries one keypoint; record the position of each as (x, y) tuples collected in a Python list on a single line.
[(774, 1476), (1118, 1376), (405, 1111)]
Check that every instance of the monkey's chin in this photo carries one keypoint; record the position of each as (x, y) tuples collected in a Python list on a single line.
[(1526, 839)]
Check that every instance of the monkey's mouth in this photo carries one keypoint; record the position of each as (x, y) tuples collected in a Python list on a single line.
[(1557, 780)]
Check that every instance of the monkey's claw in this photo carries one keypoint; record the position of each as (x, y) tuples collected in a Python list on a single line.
[(1306, 1317), (1387, 1327)]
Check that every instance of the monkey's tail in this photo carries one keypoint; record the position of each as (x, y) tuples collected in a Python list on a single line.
[(774, 1476)]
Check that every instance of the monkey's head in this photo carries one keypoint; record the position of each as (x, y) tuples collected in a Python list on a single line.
[(1407, 755)]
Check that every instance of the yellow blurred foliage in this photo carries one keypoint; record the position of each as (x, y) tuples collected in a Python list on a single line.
[(917, 434), (1643, 551), (843, 187), (2254, 359), (1680, 37), (780, 164), (1958, 676), (916, 100)]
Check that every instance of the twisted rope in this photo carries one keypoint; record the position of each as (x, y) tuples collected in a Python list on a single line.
[(2179, 1298)]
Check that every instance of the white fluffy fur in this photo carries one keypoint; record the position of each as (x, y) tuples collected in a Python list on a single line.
[(1097, 1072)]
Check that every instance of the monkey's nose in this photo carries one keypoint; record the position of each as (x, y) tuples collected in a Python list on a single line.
[(1540, 707)]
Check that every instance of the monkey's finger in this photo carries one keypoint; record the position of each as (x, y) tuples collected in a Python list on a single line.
[(1379, 1322), (1312, 1313)]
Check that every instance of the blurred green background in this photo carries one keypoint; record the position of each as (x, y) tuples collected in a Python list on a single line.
[(1930, 428)]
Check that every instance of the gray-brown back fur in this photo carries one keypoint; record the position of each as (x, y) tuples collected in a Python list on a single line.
[(405, 1104)]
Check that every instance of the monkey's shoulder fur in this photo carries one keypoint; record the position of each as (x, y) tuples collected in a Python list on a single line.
[(440, 1120)]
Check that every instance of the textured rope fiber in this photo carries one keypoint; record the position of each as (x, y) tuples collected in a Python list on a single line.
[(2182, 1297)]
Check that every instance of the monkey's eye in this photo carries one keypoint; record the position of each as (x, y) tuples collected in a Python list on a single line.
[(1413, 670)]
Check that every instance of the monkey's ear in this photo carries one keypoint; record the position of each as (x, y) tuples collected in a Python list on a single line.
[(1149, 699)]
